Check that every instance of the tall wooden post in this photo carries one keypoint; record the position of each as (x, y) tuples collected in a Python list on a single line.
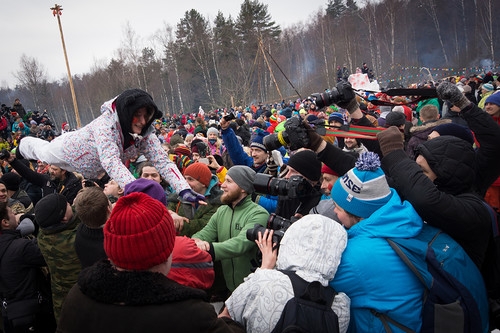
[(57, 11)]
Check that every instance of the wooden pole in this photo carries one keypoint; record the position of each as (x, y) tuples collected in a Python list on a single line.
[(57, 11)]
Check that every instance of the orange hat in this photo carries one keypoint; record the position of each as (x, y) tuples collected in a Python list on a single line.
[(200, 172)]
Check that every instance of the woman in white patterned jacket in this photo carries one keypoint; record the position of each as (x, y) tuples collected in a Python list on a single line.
[(122, 131)]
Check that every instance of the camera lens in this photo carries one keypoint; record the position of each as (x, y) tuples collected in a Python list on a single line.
[(253, 234)]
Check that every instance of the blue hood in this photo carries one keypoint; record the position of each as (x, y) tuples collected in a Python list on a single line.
[(394, 219)]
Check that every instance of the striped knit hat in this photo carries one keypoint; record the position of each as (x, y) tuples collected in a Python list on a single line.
[(140, 233), (363, 189)]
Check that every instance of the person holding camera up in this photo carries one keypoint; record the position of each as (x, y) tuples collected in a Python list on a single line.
[(446, 184), (311, 248)]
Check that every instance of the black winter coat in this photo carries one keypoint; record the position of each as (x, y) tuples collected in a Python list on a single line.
[(106, 300), (19, 264), (452, 202)]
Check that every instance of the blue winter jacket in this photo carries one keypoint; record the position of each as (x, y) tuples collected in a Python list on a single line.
[(373, 275)]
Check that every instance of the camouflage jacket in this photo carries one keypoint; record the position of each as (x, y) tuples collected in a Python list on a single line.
[(59, 252)]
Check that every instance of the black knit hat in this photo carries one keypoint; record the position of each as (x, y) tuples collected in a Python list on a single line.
[(395, 118), (307, 164), (11, 181), (50, 211)]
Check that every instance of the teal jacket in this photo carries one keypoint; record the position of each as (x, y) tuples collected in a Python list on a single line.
[(227, 233)]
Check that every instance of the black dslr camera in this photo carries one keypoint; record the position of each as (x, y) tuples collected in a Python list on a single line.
[(294, 187), (293, 127), (277, 223), (342, 93)]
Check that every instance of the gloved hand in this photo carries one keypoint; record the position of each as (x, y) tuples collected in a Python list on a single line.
[(272, 167), (347, 97), (448, 91), (390, 140), (191, 196), (315, 140)]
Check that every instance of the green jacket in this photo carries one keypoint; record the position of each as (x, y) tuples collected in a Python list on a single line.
[(59, 252), (202, 214), (227, 233)]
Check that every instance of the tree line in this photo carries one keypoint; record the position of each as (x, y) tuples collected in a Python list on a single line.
[(251, 59)]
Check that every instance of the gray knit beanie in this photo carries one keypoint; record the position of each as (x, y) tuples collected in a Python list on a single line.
[(243, 176)]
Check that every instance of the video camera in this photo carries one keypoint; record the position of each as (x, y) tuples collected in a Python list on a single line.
[(274, 222), (294, 187)]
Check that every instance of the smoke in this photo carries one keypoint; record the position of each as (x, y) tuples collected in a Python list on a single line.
[(487, 64)]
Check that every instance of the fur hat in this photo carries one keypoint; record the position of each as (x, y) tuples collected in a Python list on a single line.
[(307, 164), (11, 180), (200, 172), (147, 186), (50, 211), (243, 176), (363, 189), (139, 233)]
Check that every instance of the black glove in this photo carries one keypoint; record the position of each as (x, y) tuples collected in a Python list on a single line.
[(447, 91), (191, 196), (314, 138), (390, 139), (296, 134), (346, 98)]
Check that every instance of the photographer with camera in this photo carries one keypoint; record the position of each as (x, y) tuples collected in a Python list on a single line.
[(311, 249), (299, 190)]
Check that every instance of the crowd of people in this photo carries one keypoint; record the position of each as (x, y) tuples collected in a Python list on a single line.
[(139, 220)]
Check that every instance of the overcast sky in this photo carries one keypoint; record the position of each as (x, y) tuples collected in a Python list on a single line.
[(94, 29)]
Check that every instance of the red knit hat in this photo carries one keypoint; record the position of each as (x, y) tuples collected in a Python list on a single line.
[(139, 234), (200, 172), (326, 169)]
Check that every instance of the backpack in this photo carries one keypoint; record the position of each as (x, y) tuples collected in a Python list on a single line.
[(310, 309), (455, 296), (491, 270)]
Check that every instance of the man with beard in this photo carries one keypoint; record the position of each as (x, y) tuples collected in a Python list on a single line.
[(224, 237), (56, 181)]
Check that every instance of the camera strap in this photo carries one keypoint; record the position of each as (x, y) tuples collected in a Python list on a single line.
[(357, 132)]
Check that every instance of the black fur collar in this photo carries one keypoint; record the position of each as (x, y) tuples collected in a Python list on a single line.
[(105, 284)]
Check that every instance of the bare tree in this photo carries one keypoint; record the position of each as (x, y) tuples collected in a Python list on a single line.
[(430, 8), (487, 20), (32, 76), (131, 51)]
